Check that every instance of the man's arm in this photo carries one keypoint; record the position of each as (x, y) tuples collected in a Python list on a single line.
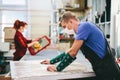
[(68, 58), (75, 48)]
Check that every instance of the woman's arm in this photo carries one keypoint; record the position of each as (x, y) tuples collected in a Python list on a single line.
[(32, 43), (27, 43)]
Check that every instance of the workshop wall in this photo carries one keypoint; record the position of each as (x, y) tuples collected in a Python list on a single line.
[(39, 17)]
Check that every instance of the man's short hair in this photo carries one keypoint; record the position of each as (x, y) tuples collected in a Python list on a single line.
[(67, 16)]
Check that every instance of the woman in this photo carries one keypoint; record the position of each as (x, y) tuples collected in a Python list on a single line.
[(21, 43)]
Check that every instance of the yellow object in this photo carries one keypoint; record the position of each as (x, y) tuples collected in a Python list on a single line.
[(37, 46)]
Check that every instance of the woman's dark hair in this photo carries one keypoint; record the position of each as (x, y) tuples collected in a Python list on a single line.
[(18, 24)]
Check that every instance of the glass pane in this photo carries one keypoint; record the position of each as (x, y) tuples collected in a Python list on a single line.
[(9, 17), (14, 2), (118, 33)]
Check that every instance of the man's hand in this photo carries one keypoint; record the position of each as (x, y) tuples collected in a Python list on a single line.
[(52, 68), (45, 62)]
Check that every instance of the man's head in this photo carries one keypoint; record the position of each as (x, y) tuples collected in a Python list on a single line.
[(68, 20)]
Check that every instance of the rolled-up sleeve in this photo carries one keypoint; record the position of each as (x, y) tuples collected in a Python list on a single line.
[(28, 41)]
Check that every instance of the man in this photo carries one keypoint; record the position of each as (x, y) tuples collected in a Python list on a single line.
[(90, 39)]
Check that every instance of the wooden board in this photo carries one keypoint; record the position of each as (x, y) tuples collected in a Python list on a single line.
[(33, 70)]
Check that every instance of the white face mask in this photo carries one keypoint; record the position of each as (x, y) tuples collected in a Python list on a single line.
[(69, 31), (25, 30)]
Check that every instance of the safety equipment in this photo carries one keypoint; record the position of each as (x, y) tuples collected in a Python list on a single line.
[(67, 60), (57, 58)]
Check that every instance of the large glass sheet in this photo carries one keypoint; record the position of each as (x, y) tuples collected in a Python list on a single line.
[(117, 19)]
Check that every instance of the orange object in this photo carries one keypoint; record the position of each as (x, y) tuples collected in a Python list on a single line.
[(37, 45)]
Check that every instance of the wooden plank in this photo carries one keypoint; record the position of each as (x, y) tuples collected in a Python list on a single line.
[(33, 70)]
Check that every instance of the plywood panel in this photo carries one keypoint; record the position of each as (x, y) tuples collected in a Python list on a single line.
[(33, 70)]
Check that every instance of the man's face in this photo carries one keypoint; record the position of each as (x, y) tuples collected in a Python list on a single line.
[(67, 25)]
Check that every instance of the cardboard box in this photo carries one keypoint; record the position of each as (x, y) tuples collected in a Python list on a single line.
[(1, 77), (9, 33), (7, 78)]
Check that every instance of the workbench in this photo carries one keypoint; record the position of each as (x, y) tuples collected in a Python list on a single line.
[(29, 68), (4, 48)]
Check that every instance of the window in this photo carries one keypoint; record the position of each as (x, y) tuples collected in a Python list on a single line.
[(14, 2), (10, 11)]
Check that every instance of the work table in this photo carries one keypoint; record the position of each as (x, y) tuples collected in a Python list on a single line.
[(29, 68)]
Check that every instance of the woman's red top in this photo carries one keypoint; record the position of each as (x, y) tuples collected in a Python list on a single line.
[(20, 45)]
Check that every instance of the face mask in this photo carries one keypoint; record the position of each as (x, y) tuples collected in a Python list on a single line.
[(69, 31), (25, 31), (72, 28)]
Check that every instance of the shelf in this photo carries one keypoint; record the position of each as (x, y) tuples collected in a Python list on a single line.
[(66, 39), (74, 9), (83, 10), (103, 23), (71, 40)]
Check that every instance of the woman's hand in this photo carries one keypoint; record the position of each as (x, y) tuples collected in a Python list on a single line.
[(52, 68), (34, 42), (45, 62)]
